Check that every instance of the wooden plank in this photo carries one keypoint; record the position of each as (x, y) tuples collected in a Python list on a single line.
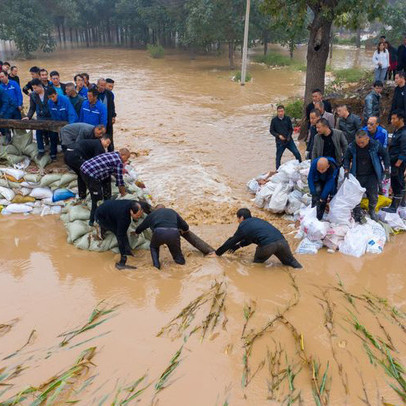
[(50, 125), (197, 242)]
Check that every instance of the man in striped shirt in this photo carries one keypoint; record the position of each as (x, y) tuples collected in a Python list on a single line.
[(96, 172)]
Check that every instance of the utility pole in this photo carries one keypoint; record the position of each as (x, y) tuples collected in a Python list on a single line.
[(245, 45)]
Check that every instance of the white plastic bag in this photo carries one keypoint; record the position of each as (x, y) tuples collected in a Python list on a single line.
[(279, 199), (386, 187), (253, 186), (347, 197), (18, 208), (7, 193), (41, 193), (377, 238), (15, 173), (308, 247), (356, 240), (289, 168), (314, 229), (402, 213), (393, 219), (264, 194), (294, 202)]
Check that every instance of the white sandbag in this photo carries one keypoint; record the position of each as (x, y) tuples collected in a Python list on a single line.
[(346, 198), (25, 191), (77, 229), (294, 202), (279, 199), (402, 213), (377, 239), (308, 247), (7, 193), (18, 208), (393, 219), (264, 194), (50, 178), (280, 177), (41, 193), (17, 174), (289, 168), (32, 178), (4, 202), (314, 229), (23, 164), (333, 241), (253, 186), (78, 212), (306, 199), (356, 240), (67, 179)]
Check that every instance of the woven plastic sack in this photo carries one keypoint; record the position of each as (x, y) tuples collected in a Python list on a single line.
[(41, 193), (77, 229), (308, 247), (7, 193), (356, 240)]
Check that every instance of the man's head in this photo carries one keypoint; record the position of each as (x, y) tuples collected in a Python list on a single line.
[(70, 90), (400, 79), (105, 141), (280, 111), (6, 67), (315, 116), (99, 130), (243, 214), (79, 81), (34, 71), (320, 106), (37, 86), (109, 84), (92, 95), (372, 124), (43, 75), (52, 95), (124, 154), (159, 206), (3, 77), (378, 86), (86, 78), (322, 165), (101, 85), (14, 70), (362, 138), (342, 111), (54, 75), (317, 95), (382, 38), (135, 210), (323, 127), (398, 119)]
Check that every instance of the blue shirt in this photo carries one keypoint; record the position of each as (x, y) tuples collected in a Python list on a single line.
[(93, 114), (328, 178), (59, 90), (83, 92), (62, 110), (14, 91), (381, 135)]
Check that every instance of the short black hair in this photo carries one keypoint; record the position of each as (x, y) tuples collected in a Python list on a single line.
[(382, 36), (51, 90), (109, 80), (78, 75), (317, 91), (7, 63), (106, 137), (245, 213), (401, 74), (280, 107), (146, 207), (43, 70), (316, 111), (85, 75), (13, 67), (4, 72), (94, 91), (34, 69), (361, 133), (135, 206), (36, 82), (324, 122), (400, 114), (54, 73), (378, 83)]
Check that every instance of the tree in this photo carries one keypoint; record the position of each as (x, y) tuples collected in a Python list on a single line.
[(26, 23), (395, 20)]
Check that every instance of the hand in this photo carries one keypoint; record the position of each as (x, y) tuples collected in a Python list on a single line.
[(282, 138), (122, 190), (211, 254), (25, 118), (20, 108), (398, 163), (346, 174)]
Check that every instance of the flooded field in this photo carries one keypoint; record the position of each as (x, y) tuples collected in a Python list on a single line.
[(217, 331)]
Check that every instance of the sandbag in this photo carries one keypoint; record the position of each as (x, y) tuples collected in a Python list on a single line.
[(42, 162), (21, 139), (66, 179), (23, 199), (62, 194), (264, 194), (77, 229), (15, 173), (253, 186), (314, 229), (279, 199), (31, 150), (393, 219), (7, 193), (41, 193), (347, 197), (385, 187), (78, 212), (355, 241), (18, 208), (46, 180), (308, 247), (32, 177), (294, 202), (377, 239)]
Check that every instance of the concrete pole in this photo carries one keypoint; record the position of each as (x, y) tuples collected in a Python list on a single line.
[(245, 45)]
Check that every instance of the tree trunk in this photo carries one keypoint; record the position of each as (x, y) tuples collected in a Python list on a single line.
[(59, 34), (63, 33), (358, 38), (317, 53), (265, 46), (50, 125), (291, 48), (231, 54)]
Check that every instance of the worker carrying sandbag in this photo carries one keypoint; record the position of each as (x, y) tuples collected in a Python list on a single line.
[(116, 216), (269, 239), (96, 173), (167, 225)]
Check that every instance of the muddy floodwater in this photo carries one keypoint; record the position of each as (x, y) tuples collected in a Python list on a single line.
[(217, 331)]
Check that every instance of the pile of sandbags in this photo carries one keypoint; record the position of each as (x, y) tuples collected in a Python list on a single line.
[(22, 148)]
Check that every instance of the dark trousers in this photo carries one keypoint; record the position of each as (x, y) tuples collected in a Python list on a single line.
[(170, 237), (53, 140), (109, 130), (99, 190), (280, 149), (321, 206), (398, 179), (74, 160), (278, 248), (371, 184)]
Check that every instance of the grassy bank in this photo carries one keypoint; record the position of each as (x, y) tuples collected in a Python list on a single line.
[(274, 59)]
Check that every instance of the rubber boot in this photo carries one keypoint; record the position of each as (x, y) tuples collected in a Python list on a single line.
[(394, 205), (296, 264), (372, 214), (155, 258)]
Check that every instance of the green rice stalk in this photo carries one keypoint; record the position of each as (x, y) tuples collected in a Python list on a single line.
[(173, 364), (30, 340)]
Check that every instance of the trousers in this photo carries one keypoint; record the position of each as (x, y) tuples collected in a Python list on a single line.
[(280, 149), (278, 248), (74, 160), (170, 237), (398, 179)]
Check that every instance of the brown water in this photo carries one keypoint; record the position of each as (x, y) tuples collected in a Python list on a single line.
[(201, 137)]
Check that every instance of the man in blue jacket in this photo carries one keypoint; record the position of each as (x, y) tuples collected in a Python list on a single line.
[(93, 111), (269, 239), (322, 181), (60, 107), (16, 96), (376, 132), (6, 107), (363, 159)]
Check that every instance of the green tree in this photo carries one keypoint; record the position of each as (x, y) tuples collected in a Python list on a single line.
[(395, 20), (26, 22)]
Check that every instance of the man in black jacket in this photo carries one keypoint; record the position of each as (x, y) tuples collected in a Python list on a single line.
[(107, 98), (166, 225), (269, 239), (399, 96), (34, 71), (315, 116), (80, 152), (397, 155), (347, 122), (402, 55), (56, 83), (317, 96), (281, 128), (116, 216)]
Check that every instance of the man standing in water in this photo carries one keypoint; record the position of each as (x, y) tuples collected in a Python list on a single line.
[(281, 128), (269, 239), (116, 216), (166, 225)]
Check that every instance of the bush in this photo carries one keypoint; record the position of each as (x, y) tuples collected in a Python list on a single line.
[(237, 77), (273, 59), (350, 75), (156, 51), (295, 109)]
